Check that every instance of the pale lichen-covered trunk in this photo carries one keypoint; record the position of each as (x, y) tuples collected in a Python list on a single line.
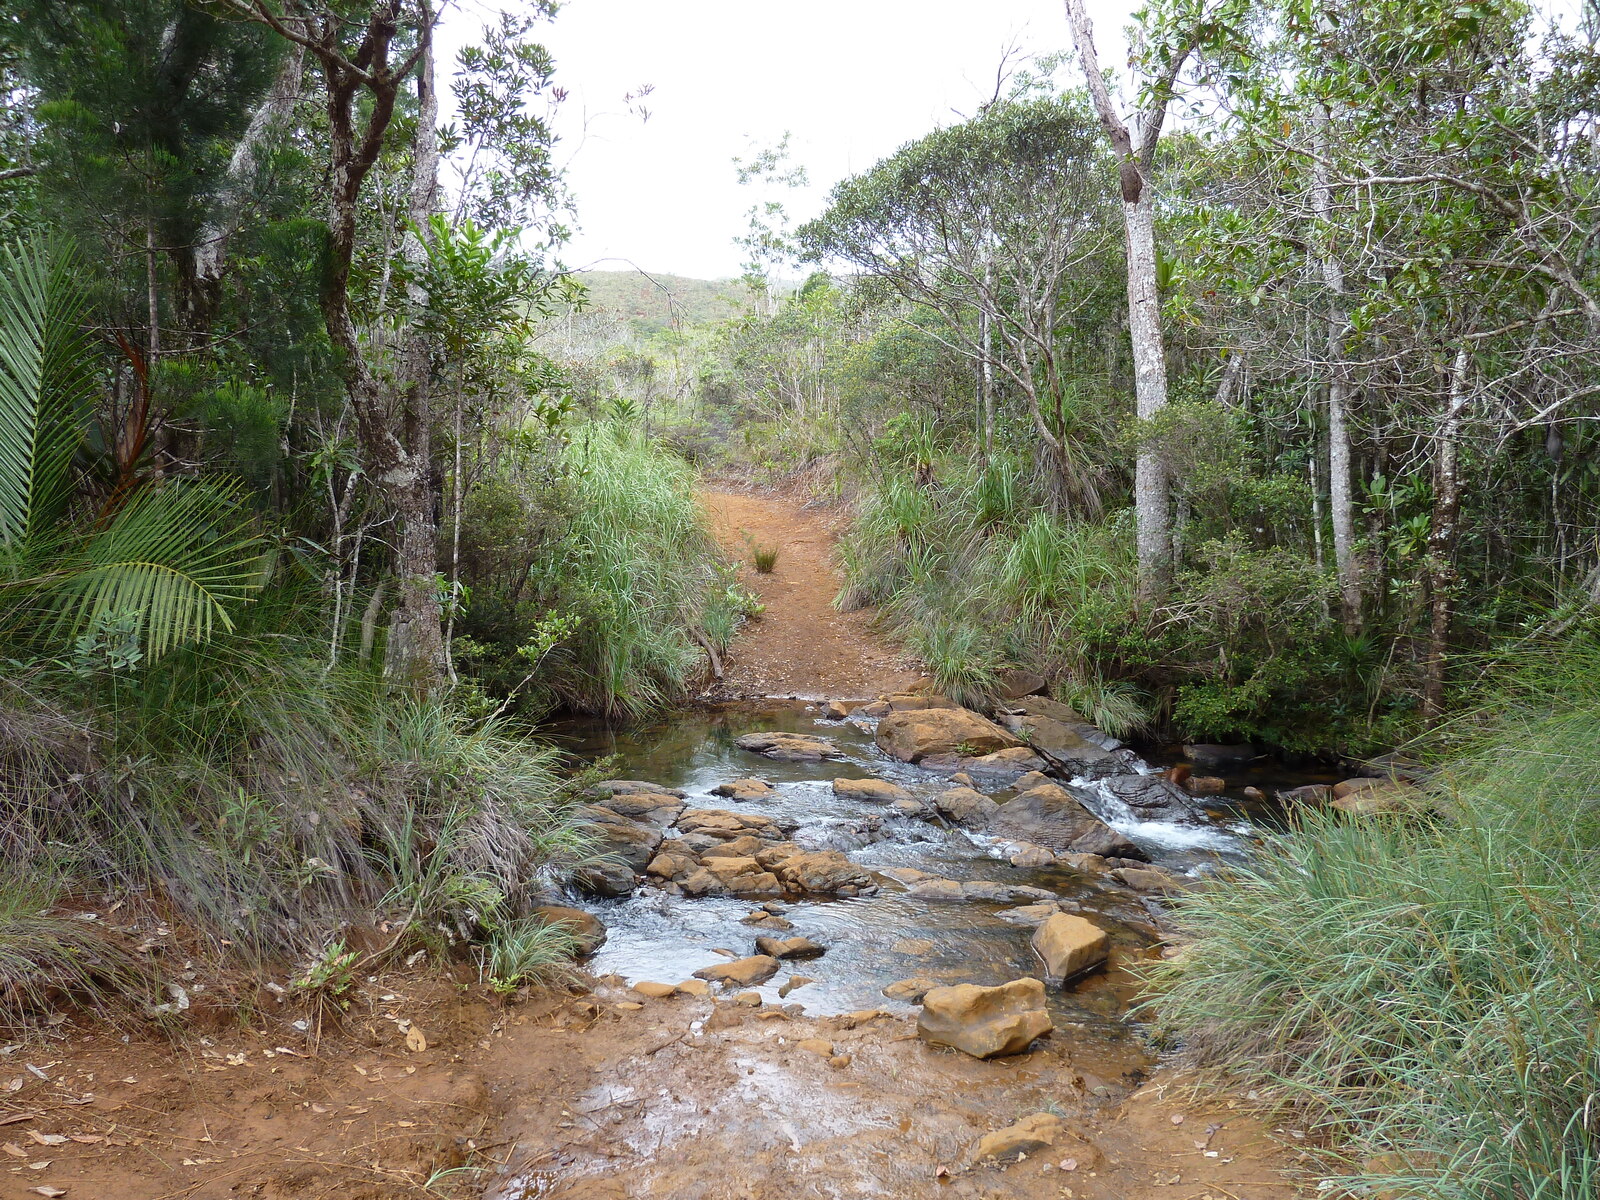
[(1151, 490), (1341, 497), (1443, 534)]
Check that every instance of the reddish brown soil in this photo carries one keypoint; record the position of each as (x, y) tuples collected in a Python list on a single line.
[(801, 645), (599, 1094)]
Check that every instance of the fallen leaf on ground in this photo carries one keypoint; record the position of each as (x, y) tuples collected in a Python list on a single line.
[(47, 1139), (415, 1042)]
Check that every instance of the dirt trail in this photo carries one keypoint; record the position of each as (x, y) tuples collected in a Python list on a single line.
[(603, 1095), (801, 646)]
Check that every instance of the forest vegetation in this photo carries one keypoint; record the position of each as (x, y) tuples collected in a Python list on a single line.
[(1263, 411)]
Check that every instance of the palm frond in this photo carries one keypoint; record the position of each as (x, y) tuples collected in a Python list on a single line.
[(174, 559), (46, 385)]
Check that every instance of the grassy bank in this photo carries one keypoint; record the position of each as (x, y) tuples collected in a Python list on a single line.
[(978, 571), (615, 586), (1427, 991)]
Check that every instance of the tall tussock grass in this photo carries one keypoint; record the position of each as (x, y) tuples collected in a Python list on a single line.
[(1427, 989), (272, 803), (639, 571), (977, 575)]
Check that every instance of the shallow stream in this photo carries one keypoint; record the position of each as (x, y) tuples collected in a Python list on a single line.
[(874, 941)]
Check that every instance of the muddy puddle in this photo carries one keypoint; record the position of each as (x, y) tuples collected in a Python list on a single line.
[(874, 941)]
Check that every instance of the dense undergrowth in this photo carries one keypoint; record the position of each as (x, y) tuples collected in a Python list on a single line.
[(267, 803), (599, 590), (975, 567), (1425, 991)]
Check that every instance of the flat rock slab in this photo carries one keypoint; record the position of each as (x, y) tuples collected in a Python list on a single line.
[(985, 1022), (743, 972), (611, 787), (789, 747), (871, 791)]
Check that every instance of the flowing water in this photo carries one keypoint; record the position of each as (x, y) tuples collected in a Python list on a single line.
[(874, 941)]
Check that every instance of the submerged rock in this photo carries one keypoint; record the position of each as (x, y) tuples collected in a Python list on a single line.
[(743, 972), (789, 747), (1068, 945), (912, 735), (985, 1022), (872, 791), (1210, 756)]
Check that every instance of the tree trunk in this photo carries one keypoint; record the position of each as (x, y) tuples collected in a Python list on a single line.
[(1442, 537), (203, 295), (417, 650), (1152, 502), (1341, 498)]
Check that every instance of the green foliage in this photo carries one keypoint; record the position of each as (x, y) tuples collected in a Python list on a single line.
[(527, 951), (622, 552), (1424, 989)]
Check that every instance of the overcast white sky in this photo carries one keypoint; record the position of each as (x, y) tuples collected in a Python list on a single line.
[(852, 80)]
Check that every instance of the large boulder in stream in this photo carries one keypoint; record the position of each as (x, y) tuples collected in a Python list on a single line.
[(997, 770), (1068, 945), (820, 873), (913, 735), (789, 747), (1154, 798), (985, 1022), (625, 845), (967, 807), (1051, 816)]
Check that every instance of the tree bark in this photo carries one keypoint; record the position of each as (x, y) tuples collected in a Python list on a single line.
[(1443, 534), (204, 293), (1152, 499), (1151, 487), (1341, 498)]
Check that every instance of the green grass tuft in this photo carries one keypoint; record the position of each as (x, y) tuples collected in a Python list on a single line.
[(1427, 990)]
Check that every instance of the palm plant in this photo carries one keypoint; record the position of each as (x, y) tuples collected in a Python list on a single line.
[(161, 563)]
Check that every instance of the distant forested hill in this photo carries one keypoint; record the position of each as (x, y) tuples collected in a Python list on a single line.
[(654, 303)]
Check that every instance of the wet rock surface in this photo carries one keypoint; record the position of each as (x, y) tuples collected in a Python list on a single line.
[(985, 1022), (902, 871)]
